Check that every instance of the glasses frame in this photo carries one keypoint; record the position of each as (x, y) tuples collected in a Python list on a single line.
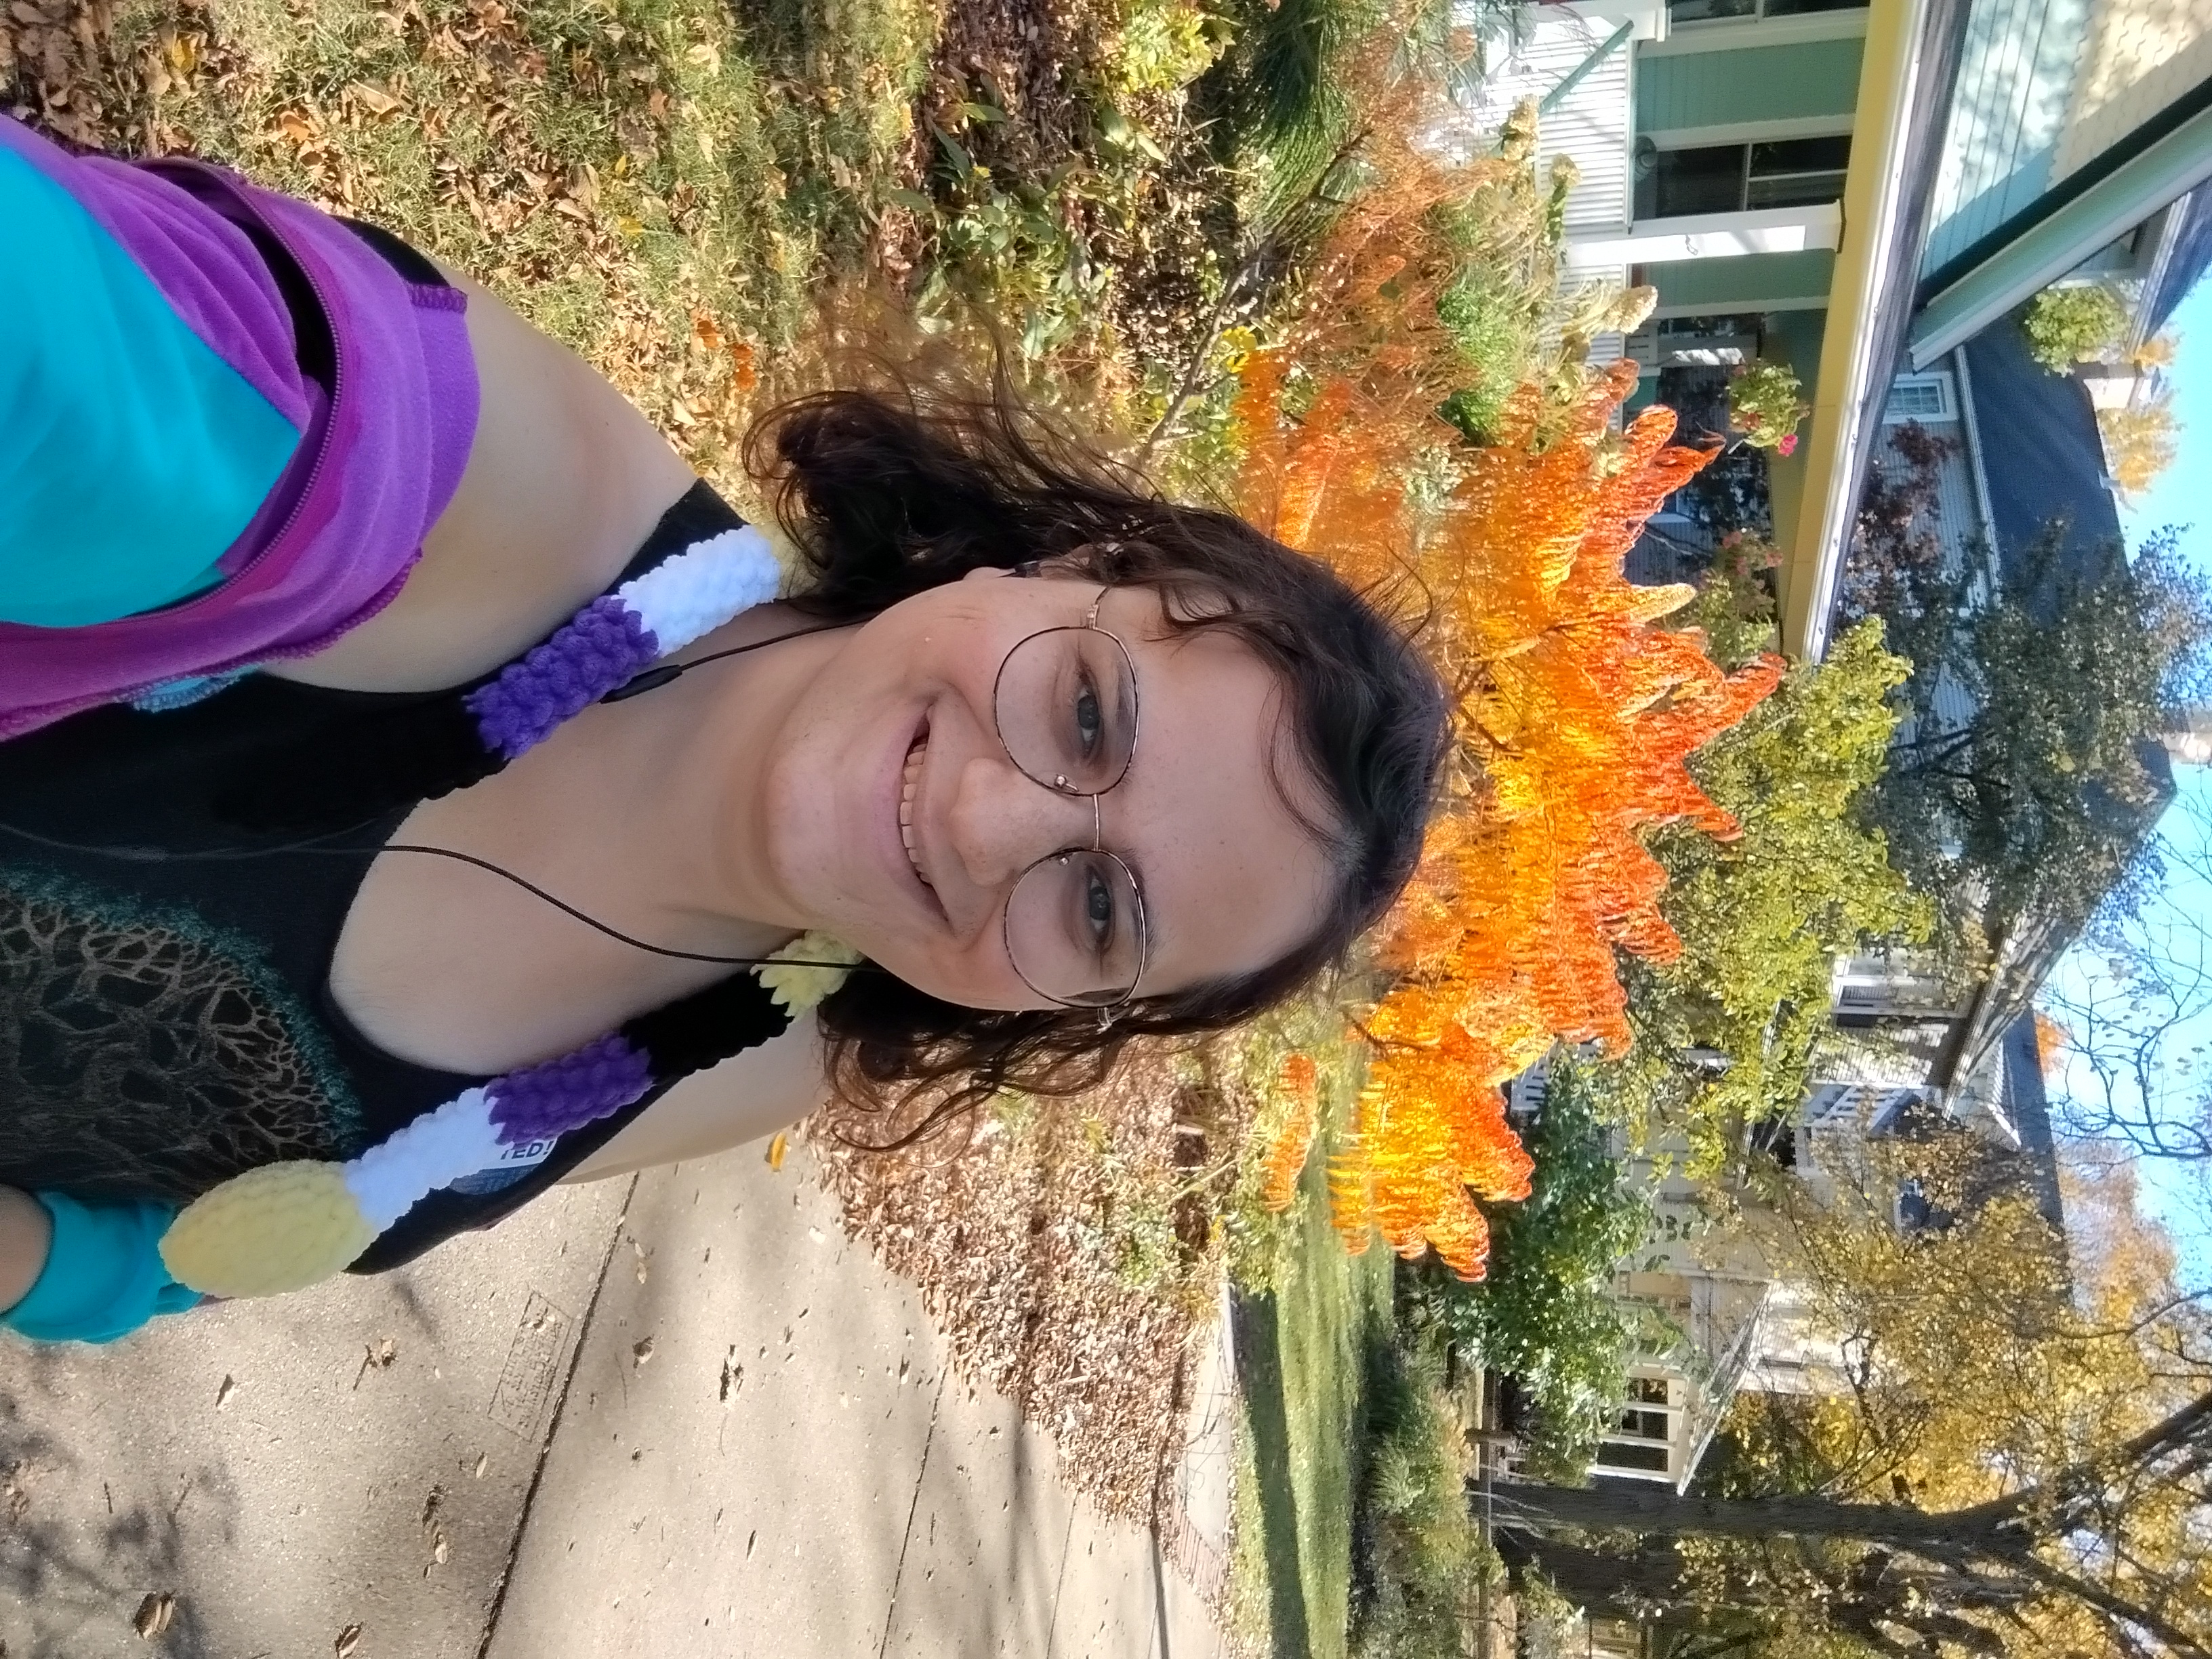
[(1059, 785)]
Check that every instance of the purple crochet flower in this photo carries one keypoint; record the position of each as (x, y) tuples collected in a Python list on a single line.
[(604, 646), (581, 1087)]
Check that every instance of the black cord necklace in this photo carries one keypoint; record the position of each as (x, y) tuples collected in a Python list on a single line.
[(660, 675)]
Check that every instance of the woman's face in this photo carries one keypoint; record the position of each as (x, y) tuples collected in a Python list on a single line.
[(895, 818)]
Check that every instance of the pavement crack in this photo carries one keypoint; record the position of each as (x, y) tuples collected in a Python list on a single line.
[(553, 1425), (1059, 1581), (928, 1440)]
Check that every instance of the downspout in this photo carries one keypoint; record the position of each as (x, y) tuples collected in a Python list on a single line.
[(1574, 77)]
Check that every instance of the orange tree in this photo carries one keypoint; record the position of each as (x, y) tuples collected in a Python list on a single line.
[(1574, 717)]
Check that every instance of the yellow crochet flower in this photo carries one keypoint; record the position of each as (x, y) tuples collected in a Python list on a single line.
[(796, 982)]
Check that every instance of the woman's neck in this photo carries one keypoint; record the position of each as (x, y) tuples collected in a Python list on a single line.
[(668, 789)]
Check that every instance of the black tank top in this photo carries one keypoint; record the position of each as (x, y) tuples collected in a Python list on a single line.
[(166, 1019)]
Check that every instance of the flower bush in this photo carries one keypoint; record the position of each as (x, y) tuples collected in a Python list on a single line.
[(2068, 326), (1766, 406)]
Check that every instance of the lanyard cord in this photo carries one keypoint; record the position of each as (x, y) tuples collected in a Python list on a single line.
[(649, 680)]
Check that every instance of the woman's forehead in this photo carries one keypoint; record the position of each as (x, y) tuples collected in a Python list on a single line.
[(1233, 879)]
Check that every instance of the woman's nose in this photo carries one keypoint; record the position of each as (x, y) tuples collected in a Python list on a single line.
[(1003, 821)]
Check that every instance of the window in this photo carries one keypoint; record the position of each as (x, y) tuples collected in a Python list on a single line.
[(1707, 11), (1636, 1425), (1647, 1391), (1921, 397), (1642, 1457), (1729, 177)]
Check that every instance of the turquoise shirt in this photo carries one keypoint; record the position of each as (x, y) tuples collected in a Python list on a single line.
[(131, 456)]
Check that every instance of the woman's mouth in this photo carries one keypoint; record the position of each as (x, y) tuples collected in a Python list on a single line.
[(909, 784)]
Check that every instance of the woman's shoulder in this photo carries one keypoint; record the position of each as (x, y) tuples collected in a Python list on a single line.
[(565, 480)]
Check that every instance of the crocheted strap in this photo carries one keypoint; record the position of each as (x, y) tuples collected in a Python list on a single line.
[(621, 633), (285, 1226), (397, 753)]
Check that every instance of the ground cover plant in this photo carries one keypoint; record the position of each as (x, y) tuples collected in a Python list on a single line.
[(1303, 1350)]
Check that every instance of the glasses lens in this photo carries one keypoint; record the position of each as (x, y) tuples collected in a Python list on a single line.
[(1075, 928), (1067, 709)]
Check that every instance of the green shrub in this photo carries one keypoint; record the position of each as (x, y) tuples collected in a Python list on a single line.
[(1547, 1315), (2068, 325), (1424, 1555), (1162, 45), (1765, 405)]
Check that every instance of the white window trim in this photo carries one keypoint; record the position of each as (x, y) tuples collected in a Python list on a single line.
[(1714, 308), (1946, 391), (1732, 34), (1751, 132)]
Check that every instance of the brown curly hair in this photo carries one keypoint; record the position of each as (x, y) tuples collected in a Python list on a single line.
[(888, 493)]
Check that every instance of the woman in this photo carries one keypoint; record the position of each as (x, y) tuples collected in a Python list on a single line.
[(440, 903)]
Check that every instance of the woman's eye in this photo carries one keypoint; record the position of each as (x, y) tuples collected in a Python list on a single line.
[(1099, 908), (1089, 719)]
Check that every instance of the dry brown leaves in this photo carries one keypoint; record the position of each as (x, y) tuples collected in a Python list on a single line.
[(1011, 1243)]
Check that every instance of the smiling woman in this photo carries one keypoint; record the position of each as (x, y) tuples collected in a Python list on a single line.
[(336, 910)]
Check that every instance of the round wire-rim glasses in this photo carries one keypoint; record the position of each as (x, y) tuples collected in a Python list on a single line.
[(1119, 879)]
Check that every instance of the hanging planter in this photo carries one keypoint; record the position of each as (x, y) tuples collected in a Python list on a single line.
[(1765, 407)]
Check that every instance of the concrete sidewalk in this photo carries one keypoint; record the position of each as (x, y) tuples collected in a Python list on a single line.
[(676, 1416)]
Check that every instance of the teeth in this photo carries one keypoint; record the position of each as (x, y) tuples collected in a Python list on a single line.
[(913, 759)]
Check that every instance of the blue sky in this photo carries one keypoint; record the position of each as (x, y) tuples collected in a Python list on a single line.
[(2181, 498), (2184, 494)]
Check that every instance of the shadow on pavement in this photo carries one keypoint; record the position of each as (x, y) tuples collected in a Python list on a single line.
[(76, 1581)]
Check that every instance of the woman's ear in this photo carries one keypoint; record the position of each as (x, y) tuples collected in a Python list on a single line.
[(984, 572)]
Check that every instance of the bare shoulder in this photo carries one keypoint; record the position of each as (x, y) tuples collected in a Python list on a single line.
[(746, 1097), (565, 478)]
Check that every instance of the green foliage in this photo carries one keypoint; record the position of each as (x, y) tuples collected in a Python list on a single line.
[(1734, 602), (1503, 306), (1765, 406), (1005, 245), (1424, 1555), (2034, 810), (2068, 325), (1547, 1315), (1763, 917), (1163, 45), (1279, 89)]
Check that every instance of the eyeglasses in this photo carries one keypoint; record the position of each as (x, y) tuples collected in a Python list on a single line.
[(1066, 706)]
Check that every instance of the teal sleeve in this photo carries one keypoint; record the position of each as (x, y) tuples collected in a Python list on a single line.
[(104, 1277)]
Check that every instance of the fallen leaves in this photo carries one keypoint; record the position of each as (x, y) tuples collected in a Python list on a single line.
[(348, 1640), (154, 1615), (374, 98), (1004, 1240)]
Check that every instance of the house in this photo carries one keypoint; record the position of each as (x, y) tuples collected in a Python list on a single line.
[(1854, 191), (1730, 1322)]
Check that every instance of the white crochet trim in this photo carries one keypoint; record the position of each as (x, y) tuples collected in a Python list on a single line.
[(703, 587), (437, 1148), (799, 986)]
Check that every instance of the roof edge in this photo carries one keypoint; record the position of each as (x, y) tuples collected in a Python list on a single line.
[(1875, 192)]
